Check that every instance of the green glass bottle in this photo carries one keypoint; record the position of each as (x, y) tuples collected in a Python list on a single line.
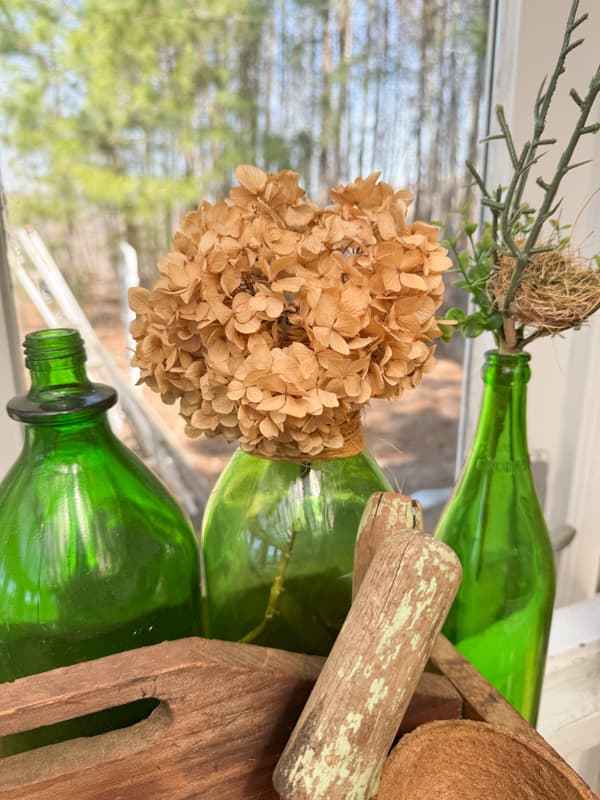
[(95, 556), (278, 540), (501, 617)]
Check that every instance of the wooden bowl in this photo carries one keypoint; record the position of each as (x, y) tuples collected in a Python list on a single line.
[(466, 760)]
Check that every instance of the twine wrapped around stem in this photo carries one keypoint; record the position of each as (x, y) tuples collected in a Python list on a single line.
[(354, 443)]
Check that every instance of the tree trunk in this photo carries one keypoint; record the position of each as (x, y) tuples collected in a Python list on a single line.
[(365, 90), (344, 19), (483, 7), (426, 36), (326, 69)]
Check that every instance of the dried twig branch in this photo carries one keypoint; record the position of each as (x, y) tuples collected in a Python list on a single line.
[(517, 228)]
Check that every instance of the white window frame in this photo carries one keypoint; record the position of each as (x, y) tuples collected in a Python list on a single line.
[(11, 371)]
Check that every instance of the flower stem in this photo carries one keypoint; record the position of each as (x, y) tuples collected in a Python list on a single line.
[(274, 593), (278, 582), (508, 341)]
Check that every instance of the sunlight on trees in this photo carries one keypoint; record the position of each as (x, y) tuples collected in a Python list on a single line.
[(130, 111)]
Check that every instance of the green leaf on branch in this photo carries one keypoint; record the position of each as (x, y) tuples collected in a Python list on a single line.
[(474, 325), (446, 330), (455, 314), (494, 321)]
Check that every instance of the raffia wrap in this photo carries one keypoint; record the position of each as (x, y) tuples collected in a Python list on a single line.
[(354, 443)]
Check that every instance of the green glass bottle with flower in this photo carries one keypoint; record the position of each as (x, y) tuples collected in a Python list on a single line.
[(525, 281), (273, 323)]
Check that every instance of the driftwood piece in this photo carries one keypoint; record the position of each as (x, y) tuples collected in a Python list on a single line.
[(384, 514), (466, 760), (348, 725)]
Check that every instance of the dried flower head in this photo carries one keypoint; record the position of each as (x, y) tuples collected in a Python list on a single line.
[(274, 321)]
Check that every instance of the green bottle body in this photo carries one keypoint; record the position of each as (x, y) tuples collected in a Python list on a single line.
[(95, 555), (278, 541), (501, 617)]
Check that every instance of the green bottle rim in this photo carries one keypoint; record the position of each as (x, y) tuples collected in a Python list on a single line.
[(505, 368), (64, 403), (52, 343)]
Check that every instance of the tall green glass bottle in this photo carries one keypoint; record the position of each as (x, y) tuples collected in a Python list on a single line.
[(95, 556), (278, 540), (501, 617)]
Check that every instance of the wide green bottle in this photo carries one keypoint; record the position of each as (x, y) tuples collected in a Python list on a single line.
[(278, 540), (95, 556), (501, 617)]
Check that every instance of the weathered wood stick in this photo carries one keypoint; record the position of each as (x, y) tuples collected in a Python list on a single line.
[(384, 514), (343, 736)]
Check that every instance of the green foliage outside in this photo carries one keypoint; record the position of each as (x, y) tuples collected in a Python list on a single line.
[(132, 110)]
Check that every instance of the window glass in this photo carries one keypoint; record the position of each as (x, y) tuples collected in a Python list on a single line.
[(119, 115)]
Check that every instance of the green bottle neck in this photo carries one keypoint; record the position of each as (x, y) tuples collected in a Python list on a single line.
[(501, 436), (61, 392), (47, 376)]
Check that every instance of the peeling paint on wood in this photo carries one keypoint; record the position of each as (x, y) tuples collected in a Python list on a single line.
[(344, 734)]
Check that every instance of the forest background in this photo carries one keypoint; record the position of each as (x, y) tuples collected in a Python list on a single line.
[(117, 116)]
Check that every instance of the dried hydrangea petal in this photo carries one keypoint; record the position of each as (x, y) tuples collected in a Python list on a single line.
[(274, 321)]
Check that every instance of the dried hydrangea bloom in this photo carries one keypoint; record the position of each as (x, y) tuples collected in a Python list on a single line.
[(274, 321)]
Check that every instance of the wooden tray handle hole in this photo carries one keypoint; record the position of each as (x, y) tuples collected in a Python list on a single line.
[(88, 725)]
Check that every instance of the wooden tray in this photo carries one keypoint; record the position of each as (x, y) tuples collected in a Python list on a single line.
[(225, 714), (225, 710)]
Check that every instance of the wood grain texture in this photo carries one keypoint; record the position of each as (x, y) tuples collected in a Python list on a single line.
[(344, 734), (226, 713), (467, 760), (482, 700), (384, 514), (435, 698)]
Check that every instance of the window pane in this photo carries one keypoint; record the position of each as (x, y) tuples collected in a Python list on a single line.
[(119, 115)]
